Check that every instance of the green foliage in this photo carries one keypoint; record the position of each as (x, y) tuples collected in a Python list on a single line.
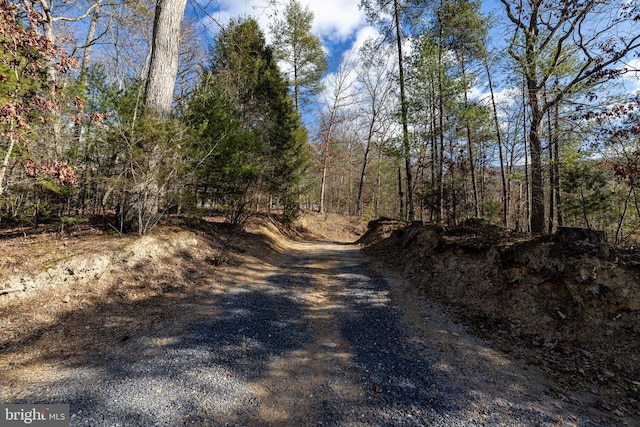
[(302, 51), (247, 137), (49, 185), (464, 27), (290, 211), (147, 168), (587, 194), (492, 209), (72, 220)]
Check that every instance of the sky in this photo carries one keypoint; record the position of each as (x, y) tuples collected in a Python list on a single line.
[(342, 26), (338, 23)]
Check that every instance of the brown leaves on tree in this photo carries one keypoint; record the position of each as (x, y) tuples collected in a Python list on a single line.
[(61, 172), (628, 170), (27, 96), (23, 59)]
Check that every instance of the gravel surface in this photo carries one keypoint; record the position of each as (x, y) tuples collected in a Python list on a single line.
[(318, 338)]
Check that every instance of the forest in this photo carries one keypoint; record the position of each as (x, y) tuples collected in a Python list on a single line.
[(128, 111)]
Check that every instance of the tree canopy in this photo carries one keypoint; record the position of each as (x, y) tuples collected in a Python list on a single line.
[(438, 116), (301, 51)]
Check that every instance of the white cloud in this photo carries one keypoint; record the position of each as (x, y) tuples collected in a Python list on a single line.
[(631, 80), (335, 21), (505, 97)]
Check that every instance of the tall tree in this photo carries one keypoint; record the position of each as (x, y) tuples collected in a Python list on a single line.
[(500, 141), (163, 68), (247, 123), (376, 10), (301, 51), (465, 35), (339, 99), (598, 34), (374, 76)]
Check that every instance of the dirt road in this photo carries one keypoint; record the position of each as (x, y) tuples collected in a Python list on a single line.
[(311, 336)]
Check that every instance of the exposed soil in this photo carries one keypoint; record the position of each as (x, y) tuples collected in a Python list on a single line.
[(569, 304), (571, 308), (75, 293)]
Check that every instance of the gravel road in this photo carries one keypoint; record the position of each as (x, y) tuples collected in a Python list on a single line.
[(318, 338)]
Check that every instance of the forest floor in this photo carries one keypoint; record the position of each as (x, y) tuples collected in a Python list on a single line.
[(565, 315)]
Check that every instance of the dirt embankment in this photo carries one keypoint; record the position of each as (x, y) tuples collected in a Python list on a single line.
[(570, 303), (92, 285)]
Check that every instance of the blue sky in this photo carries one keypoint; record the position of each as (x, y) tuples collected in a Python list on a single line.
[(337, 22), (342, 26)]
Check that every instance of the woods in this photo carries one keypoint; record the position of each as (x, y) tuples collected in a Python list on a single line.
[(129, 111)]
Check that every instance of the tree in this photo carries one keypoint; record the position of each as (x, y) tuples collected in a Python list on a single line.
[(596, 34), (337, 101), (26, 91), (374, 76), (587, 193), (163, 68), (465, 35), (246, 124), (301, 51), (376, 9)]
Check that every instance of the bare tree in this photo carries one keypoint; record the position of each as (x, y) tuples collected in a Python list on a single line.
[(591, 38), (377, 87), (44, 10), (377, 10), (338, 99)]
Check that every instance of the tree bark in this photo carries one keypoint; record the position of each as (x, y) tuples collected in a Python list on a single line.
[(163, 68), (5, 163), (88, 47), (472, 165), (537, 177), (363, 172)]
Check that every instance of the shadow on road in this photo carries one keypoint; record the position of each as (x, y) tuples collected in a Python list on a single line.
[(310, 337)]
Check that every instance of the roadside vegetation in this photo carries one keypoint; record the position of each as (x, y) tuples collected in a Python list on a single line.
[(89, 131)]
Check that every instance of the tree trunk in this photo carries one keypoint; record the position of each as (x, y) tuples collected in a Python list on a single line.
[(553, 140), (472, 165), (376, 205), (400, 192), (441, 125), (526, 162), (163, 68), (88, 46), (556, 170), (404, 113), (503, 174), (365, 162), (5, 163), (323, 181), (537, 178)]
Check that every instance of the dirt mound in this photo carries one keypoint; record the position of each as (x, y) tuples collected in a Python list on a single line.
[(568, 303), (380, 229), (331, 227)]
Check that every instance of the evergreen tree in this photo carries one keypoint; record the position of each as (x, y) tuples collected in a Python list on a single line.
[(246, 123), (301, 51), (597, 35)]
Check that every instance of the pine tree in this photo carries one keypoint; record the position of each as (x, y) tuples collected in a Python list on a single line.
[(301, 51), (245, 119)]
